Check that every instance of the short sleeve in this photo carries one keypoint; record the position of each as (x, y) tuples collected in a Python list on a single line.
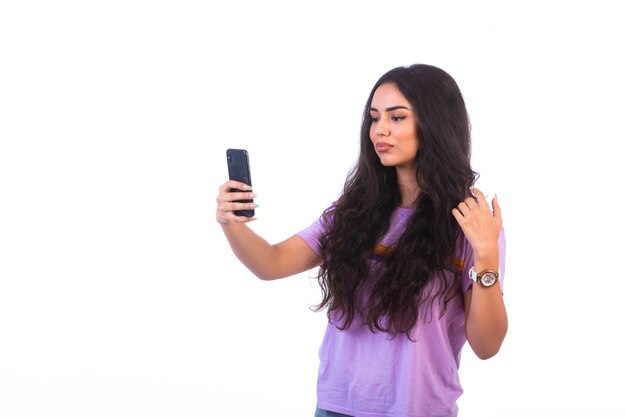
[(312, 235)]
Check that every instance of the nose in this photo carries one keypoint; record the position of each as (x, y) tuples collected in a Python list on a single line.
[(382, 127)]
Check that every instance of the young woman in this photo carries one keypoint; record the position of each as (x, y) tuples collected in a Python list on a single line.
[(411, 257)]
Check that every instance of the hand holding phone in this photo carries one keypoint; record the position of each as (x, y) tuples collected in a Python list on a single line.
[(239, 170)]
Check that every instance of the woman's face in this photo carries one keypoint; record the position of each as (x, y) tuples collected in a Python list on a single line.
[(393, 131)]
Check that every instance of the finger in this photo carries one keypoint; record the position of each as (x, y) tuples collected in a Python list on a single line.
[(225, 188), (234, 219), (228, 216), (458, 216), (471, 203), (234, 185), (482, 201), (231, 207), (238, 185), (243, 219), (463, 208), (497, 213), (239, 196), (225, 198)]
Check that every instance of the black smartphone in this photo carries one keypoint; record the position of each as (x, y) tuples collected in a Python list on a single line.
[(239, 170)]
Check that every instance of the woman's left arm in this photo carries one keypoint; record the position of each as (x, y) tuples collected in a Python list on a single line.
[(486, 321)]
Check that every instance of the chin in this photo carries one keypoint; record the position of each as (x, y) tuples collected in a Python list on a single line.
[(387, 162)]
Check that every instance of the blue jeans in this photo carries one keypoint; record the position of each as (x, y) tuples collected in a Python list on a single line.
[(324, 413)]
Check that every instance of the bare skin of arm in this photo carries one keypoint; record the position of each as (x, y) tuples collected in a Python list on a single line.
[(486, 321), (267, 261)]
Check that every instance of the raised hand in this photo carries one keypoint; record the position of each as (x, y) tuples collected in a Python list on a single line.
[(480, 225), (226, 202)]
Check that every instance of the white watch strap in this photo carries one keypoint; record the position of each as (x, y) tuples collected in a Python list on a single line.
[(473, 275)]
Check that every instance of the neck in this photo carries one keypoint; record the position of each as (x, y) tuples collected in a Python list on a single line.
[(408, 185)]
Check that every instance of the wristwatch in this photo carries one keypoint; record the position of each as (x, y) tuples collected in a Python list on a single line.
[(487, 278)]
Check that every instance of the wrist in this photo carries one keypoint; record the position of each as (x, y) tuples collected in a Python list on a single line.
[(487, 278), (486, 257)]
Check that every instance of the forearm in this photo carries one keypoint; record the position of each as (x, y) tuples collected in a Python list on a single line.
[(251, 249), (486, 324), (485, 316)]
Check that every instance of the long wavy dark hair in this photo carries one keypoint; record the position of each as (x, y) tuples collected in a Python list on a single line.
[(362, 214)]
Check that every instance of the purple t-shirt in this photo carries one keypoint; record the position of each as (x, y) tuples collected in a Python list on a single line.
[(367, 374)]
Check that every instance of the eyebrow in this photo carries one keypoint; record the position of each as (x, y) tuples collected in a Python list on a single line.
[(388, 109)]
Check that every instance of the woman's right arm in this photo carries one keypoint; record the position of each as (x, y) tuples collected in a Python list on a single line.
[(265, 260)]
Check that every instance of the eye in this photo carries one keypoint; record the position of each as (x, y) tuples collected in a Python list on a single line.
[(397, 118), (374, 118)]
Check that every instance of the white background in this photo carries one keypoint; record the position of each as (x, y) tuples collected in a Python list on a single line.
[(119, 295)]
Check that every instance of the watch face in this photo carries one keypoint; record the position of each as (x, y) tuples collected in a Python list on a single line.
[(488, 279)]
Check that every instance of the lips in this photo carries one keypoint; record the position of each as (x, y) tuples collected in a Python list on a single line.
[(383, 147)]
